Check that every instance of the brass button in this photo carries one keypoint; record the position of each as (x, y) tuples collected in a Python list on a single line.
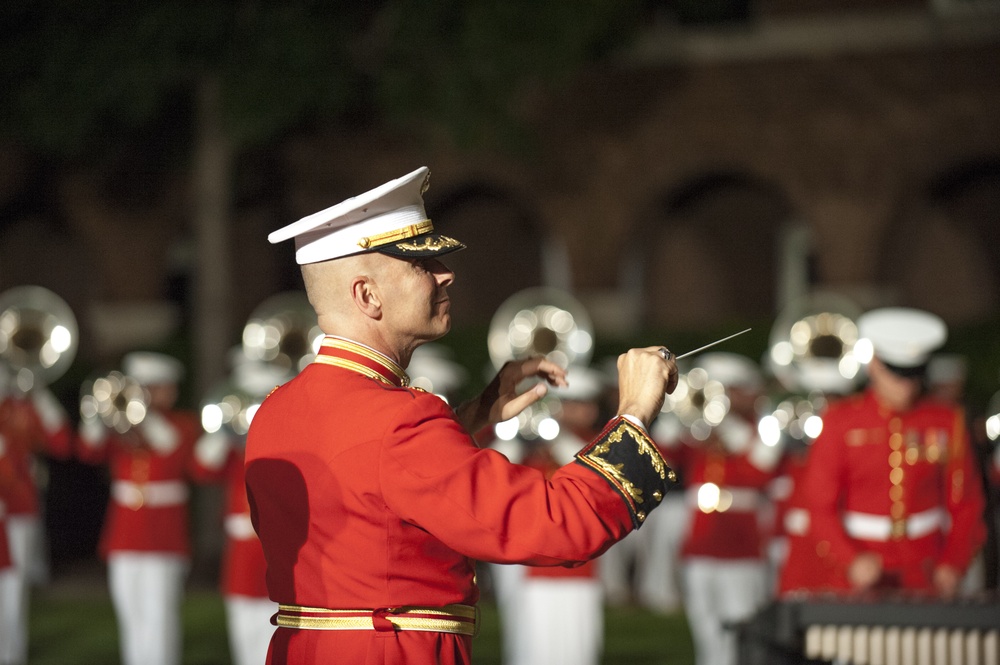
[(896, 476)]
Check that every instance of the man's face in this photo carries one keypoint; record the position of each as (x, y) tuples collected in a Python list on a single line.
[(899, 393), (415, 298)]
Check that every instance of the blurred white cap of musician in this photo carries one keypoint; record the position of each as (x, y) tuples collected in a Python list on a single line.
[(150, 368), (902, 338)]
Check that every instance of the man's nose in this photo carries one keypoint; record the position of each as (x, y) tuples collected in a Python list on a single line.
[(445, 276)]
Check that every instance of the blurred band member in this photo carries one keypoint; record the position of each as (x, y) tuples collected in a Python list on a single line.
[(243, 583), (559, 616), (31, 424), (895, 497), (145, 536), (724, 571)]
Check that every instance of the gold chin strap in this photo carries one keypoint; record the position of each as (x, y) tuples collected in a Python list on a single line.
[(370, 242)]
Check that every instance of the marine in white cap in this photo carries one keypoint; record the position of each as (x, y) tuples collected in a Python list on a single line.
[(145, 538), (895, 498), (368, 494), (726, 471)]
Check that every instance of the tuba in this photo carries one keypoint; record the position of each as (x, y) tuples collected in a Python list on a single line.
[(811, 346), (38, 336), (812, 355), (539, 321), (283, 331)]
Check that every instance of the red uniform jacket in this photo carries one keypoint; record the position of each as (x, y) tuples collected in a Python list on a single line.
[(148, 505), (30, 426), (903, 485), (369, 495), (243, 564), (6, 472), (803, 568), (734, 472)]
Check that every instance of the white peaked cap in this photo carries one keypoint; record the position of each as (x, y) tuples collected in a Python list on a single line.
[(432, 368), (389, 219), (730, 369), (584, 384), (901, 336), (149, 368)]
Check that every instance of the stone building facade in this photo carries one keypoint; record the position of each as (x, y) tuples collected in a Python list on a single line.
[(707, 176)]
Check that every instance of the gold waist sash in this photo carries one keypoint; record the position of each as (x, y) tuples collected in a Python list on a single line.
[(457, 619)]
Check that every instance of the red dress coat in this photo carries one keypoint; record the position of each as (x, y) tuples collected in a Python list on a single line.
[(148, 504), (369, 495), (243, 563), (740, 469), (27, 432), (902, 485), (6, 474)]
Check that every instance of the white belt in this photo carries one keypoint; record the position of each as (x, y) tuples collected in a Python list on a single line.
[(797, 521), (732, 499), (865, 526), (156, 494), (239, 527)]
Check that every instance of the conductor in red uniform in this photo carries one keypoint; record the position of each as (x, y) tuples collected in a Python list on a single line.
[(371, 499), (894, 495)]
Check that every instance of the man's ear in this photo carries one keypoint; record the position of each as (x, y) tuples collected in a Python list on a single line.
[(364, 293)]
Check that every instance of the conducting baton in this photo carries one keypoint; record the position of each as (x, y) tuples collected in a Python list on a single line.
[(718, 341)]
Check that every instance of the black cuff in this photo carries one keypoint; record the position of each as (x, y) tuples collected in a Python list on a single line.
[(629, 460)]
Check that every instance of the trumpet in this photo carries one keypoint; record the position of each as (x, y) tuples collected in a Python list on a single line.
[(38, 336), (698, 402), (116, 400)]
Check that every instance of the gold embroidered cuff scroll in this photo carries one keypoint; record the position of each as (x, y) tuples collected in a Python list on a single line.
[(629, 460)]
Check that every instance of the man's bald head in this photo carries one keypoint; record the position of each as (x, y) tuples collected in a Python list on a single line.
[(330, 287)]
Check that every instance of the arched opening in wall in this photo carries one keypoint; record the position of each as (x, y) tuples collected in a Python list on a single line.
[(504, 254), (941, 253), (710, 254)]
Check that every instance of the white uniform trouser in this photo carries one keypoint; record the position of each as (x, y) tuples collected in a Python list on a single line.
[(657, 573), (719, 593), (248, 621), (561, 621), (147, 589), (23, 533), (615, 568), (507, 586)]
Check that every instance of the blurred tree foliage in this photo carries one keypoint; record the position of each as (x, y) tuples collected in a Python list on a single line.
[(78, 73), (174, 86)]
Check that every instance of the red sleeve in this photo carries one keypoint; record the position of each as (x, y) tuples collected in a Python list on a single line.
[(478, 503), (824, 476), (965, 500)]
